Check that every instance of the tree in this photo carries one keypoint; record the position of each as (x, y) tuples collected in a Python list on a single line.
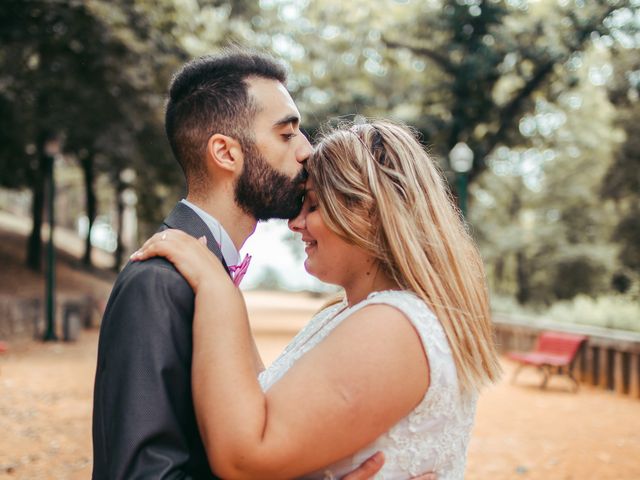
[(495, 60), (79, 68), (555, 241), (622, 181)]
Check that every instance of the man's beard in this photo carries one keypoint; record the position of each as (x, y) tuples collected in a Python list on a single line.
[(263, 192)]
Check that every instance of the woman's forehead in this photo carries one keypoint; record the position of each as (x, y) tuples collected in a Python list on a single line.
[(308, 186)]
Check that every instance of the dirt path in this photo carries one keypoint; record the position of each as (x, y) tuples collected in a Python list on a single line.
[(521, 432)]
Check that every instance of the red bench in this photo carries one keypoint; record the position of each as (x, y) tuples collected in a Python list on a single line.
[(554, 353)]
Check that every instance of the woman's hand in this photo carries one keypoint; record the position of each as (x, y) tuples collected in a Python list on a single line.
[(190, 256)]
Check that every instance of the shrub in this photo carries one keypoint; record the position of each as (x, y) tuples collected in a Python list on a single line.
[(621, 312), (611, 311)]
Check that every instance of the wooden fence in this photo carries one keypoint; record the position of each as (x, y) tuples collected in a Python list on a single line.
[(610, 359)]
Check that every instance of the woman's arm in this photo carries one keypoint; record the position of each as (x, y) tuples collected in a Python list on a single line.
[(352, 387), (370, 372)]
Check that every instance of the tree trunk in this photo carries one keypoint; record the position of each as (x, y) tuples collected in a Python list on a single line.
[(120, 214), (524, 292), (498, 275), (91, 203), (34, 244)]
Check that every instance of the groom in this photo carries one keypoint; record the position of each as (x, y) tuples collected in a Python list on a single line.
[(234, 130)]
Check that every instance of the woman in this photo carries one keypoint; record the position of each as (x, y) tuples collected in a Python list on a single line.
[(394, 367)]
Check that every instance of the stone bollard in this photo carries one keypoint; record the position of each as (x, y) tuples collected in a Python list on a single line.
[(71, 320)]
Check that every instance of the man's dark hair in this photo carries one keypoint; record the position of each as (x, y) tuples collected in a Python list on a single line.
[(210, 95)]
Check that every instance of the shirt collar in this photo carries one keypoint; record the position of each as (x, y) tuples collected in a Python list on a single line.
[(228, 249)]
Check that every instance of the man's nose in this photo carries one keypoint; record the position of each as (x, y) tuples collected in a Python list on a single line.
[(304, 150)]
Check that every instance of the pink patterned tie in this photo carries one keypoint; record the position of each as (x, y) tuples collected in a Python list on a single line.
[(238, 271)]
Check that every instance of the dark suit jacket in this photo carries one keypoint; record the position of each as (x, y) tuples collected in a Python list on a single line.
[(144, 423)]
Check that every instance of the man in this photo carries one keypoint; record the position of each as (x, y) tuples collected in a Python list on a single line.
[(234, 129)]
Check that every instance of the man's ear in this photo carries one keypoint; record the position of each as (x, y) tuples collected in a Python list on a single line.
[(224, 152)]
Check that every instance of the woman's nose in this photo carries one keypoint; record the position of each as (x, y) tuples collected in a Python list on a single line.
[(297, 223)]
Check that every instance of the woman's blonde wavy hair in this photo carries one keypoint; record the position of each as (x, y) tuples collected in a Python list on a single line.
[(379, 189)]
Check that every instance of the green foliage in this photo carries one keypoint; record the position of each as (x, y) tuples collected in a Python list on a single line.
[(269, 280), (65, 69), (574, 276), (543, 226), (622, 181), (627, 234), (13, 171), (605, 311)]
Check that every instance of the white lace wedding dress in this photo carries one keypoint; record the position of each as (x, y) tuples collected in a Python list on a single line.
[(434, 436)]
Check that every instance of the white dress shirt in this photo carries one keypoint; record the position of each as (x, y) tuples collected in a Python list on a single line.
[(228, 249)]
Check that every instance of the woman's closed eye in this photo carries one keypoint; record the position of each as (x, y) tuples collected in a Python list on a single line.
[(310, 201)]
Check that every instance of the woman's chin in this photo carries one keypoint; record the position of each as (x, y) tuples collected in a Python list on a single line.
[(318, 273), (309, 267)]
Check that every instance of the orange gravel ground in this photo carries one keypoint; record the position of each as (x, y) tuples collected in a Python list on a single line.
[(520, 432)]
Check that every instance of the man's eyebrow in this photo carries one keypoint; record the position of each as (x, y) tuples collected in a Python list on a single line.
[(294, 119)]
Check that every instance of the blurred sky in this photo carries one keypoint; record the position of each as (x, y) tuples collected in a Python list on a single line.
[(271, 252)]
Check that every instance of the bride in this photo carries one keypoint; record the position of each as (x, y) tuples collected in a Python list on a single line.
[(395, 366)]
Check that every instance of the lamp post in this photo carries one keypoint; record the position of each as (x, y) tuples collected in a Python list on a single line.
[(51, 151), (461, 161)]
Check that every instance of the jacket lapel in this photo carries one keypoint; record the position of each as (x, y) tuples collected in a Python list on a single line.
[(184, 218)]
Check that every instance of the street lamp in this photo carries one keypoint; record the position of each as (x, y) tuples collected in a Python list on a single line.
[(461, 161), (52, 146)]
